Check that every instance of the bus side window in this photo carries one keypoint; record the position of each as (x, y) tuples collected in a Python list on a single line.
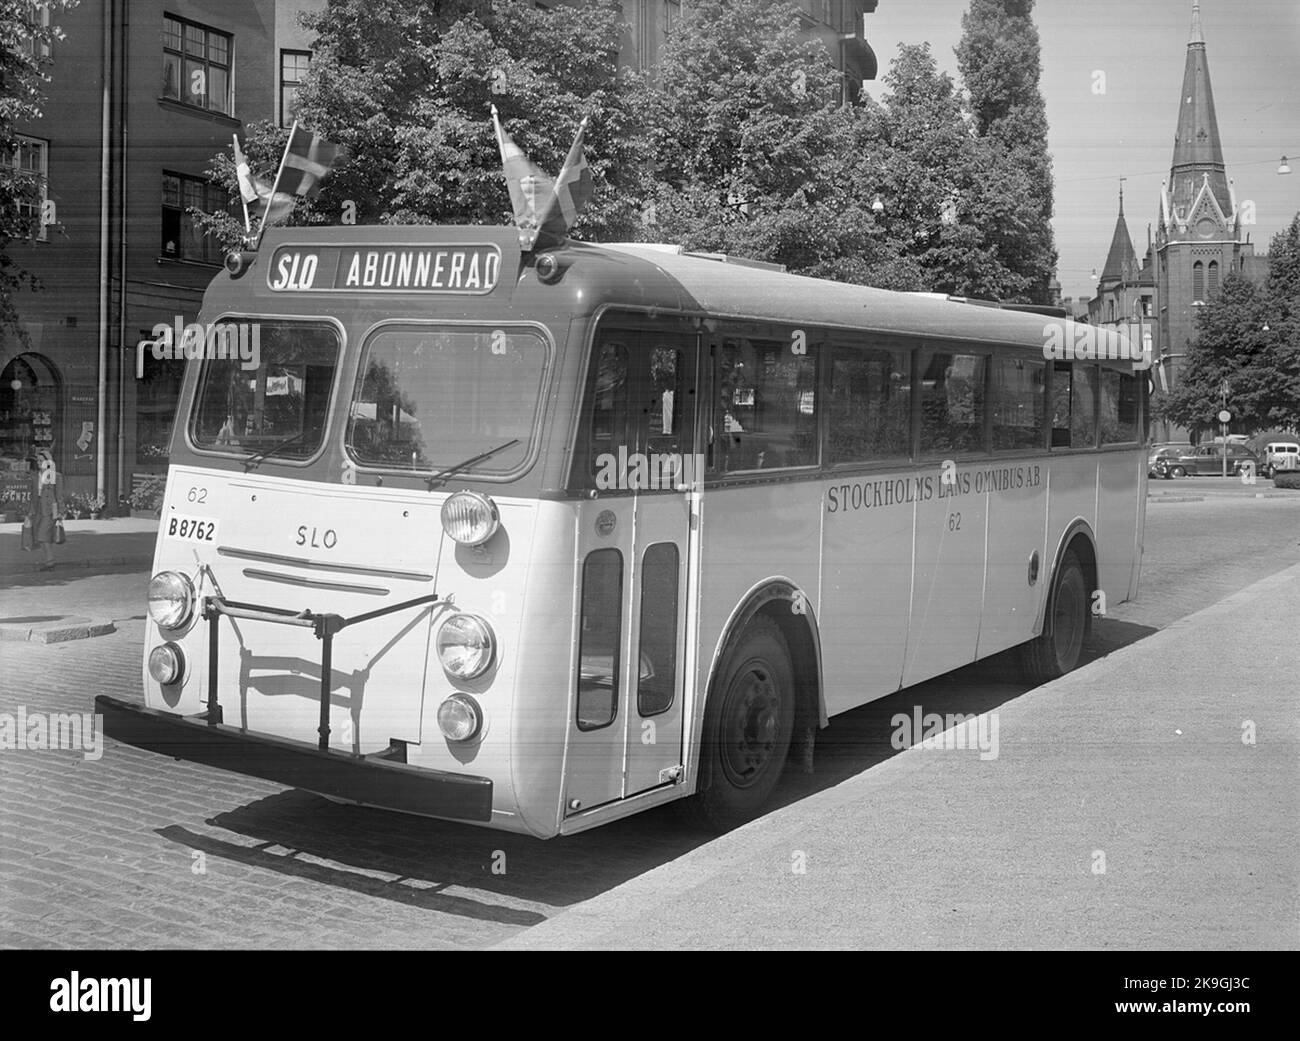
[(608, 406), (871, 405), (767, 404), (1119, 407), (1017, 403), (1074, 405), (952, 402)]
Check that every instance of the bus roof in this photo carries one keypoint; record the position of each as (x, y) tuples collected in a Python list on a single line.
[(754, 292)]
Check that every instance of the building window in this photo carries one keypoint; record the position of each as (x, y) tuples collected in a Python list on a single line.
[(38, 15), (181, 238), (293, 71), (1198, 282), (672, 13), (31, 158), (1214, 278), (196, 65)]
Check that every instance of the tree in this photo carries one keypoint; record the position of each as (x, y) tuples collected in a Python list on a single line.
[(1000, 65), (1249, 338), (751, 152), (406, 85), (26, 35), (954, 202)]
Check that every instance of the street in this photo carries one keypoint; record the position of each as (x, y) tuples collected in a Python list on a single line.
[(136, 850)]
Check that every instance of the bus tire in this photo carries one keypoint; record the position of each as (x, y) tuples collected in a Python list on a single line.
[(748, 724), (1056, 651)]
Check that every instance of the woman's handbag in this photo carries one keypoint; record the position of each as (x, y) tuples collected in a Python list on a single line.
[(59, 536)]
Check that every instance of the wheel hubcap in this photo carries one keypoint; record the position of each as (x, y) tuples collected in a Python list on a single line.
[(751, 719)]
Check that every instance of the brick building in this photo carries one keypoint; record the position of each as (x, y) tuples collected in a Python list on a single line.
[(141, 96)]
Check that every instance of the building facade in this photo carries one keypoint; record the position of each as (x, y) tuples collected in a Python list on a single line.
[(141, 96)]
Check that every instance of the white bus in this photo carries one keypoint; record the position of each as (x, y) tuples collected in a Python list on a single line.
[(537, 541)]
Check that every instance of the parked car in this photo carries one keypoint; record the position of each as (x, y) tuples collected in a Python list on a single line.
[(1279, 455), (1207, 461), (1162, 452)]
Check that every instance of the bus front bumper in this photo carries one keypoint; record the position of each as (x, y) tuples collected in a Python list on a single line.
[(371, 780)]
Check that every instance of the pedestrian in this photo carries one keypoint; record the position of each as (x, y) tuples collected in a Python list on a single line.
[(47, 508)]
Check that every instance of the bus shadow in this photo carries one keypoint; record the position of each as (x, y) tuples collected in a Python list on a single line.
[(514, 880), (864, 737)]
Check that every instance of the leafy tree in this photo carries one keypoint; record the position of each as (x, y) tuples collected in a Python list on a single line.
[(751, 152), (1248, 336), (407, 85), (24, 43), (954, 203), (1000, 65)]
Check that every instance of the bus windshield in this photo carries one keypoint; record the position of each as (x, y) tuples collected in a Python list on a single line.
[(271, 392), (428, 398)]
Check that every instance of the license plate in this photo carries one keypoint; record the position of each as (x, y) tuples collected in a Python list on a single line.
[(191, 529)]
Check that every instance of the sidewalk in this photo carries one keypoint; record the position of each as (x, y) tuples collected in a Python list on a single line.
[(1147, 800), (122, 542)]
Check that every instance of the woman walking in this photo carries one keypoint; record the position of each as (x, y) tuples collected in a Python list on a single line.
[(47, 506)]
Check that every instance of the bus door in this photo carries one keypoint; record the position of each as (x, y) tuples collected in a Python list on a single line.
[(636, 573)]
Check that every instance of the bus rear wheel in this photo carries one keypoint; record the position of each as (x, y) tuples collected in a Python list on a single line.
[(747, 727), (1056, 651)]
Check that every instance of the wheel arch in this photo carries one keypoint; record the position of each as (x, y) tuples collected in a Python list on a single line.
[(790, 608), (1078, 536)]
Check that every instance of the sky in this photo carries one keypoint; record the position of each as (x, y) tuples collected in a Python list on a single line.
[(1253, 49)]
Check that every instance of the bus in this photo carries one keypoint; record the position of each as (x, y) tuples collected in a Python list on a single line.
[(536, 540)]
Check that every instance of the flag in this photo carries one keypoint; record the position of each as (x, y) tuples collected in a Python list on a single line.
[(531, 191), (573, 191), (307, 159), (250, 188)]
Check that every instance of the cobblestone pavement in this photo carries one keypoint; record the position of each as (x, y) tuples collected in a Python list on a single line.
[(139, 851)]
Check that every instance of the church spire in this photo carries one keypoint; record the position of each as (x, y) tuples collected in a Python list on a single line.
[(1198, 152), (1121, 262)]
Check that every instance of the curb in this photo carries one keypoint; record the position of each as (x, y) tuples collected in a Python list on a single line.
[(57, 631), (84, 563)]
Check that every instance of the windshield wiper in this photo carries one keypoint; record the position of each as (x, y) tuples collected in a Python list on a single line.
[(442, 475), (253, 460)]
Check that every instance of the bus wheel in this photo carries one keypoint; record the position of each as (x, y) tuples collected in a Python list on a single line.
[(747, 727), (1057, 650)]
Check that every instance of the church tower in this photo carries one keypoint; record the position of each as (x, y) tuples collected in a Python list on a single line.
[(1199, 230)]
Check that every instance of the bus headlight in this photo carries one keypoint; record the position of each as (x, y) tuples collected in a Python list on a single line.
[(167, 663), (459, 718), (470, 518), (466, 646), (171, 599)]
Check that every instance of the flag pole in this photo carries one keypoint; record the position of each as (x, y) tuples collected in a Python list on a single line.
[(248, 226), (266, 211)]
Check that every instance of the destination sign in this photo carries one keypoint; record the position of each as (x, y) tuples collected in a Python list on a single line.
[(468, 268)]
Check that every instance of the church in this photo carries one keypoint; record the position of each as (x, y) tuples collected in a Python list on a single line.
[(1199, 240)]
